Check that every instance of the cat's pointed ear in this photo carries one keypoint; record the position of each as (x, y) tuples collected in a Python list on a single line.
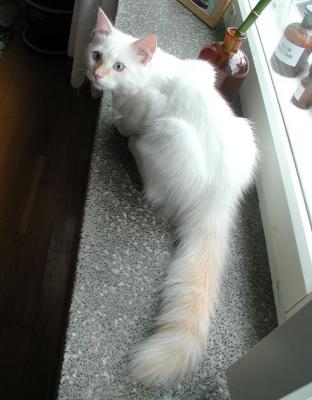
[(103, 24), (146, 47)]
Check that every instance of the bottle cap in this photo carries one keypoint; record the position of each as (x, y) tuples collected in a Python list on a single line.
[(307, 20)]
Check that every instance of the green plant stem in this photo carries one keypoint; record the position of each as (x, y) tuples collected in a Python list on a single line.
[(254, 14)]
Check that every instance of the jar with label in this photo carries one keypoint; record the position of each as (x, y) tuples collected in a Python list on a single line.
[(302, 97), (291, 55)]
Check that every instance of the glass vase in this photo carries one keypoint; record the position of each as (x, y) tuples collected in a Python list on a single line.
[(230, 62)]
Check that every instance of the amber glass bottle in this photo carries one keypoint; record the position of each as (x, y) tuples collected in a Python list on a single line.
[(231, 62), (291, 55), (302, 97)]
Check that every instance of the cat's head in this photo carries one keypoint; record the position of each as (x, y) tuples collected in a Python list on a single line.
[(117, 61)]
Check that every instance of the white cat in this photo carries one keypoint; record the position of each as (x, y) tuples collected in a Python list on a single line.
[(196, 158)]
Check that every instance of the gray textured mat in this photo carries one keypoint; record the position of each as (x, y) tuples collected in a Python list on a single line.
[(125, 249)]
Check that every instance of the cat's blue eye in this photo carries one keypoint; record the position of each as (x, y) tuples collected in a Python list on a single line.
[(119, 66), (96, 55)]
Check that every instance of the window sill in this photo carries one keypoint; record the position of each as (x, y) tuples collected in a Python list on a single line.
[(283, 205)]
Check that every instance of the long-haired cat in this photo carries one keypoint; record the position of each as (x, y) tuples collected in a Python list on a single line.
[(196, 158)]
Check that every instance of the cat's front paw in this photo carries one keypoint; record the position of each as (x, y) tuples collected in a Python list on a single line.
[(120, 125)]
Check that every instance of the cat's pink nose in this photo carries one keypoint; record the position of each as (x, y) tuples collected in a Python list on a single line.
[(96, 76)]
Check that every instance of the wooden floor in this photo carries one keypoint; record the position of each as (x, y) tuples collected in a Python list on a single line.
[(46, 133)]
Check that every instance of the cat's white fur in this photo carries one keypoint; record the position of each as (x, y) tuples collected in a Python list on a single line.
[(196, 158)]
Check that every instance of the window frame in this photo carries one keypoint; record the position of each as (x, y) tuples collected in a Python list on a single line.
[(284, 214)]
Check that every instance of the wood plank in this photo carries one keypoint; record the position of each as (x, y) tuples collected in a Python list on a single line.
[(21, 194), (40, 138), (48, 337), (18, 113), (45, 144), (10, 250), (32, 191), (13, 138), (45, 349), (14, 342), (13, 102), (26, 280)]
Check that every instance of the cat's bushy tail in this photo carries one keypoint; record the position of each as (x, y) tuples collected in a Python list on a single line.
[(189, 296)]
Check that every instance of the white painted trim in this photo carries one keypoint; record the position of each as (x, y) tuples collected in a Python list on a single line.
[(303, 393), (285, 218)]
